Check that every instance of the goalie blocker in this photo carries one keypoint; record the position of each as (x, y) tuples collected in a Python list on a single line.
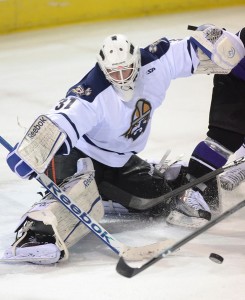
[(41, 143), (33, 154)]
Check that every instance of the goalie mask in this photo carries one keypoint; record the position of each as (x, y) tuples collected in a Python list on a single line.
[(119, 60)]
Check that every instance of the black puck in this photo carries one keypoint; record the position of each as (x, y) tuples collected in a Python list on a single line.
[(216, 258)]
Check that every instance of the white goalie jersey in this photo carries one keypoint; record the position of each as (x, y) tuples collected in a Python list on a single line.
[(109, 130)]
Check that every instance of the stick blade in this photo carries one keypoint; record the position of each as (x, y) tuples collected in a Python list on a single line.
[(125, 270)]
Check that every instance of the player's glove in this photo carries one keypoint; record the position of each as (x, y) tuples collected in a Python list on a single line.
[(18, 166)]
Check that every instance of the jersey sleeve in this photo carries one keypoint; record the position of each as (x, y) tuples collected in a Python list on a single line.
[(178, 57), (75, 116), (181, 58), (82, 108)]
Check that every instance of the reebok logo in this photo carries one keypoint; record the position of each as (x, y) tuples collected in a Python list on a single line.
[(88, 181), (81, 215), (36, 127)]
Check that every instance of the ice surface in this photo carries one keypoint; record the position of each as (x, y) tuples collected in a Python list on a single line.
[(36, 69)]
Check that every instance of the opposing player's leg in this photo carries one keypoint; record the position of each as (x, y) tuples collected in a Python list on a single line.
[(207, 156), (227, 112), (226, 131), (48, 229)]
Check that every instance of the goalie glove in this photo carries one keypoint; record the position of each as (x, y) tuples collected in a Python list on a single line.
[(222, 47)]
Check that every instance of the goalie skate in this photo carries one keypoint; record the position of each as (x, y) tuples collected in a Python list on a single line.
[(40, 254)]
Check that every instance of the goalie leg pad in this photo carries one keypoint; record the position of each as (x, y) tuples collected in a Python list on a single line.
[(66, 228)]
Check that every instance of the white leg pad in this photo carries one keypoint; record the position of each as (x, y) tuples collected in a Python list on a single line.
[(68, 230)]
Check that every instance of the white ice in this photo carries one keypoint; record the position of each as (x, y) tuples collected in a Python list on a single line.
[(36, 69)]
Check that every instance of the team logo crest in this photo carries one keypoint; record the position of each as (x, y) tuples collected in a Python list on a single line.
[(153, 46), (81, 90), (140, 119)]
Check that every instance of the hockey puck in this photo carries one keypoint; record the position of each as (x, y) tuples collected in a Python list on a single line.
[(216, 258)]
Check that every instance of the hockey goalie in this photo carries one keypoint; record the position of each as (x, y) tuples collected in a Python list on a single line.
[(89, 142)]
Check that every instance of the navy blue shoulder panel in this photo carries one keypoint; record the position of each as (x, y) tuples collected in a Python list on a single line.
[(154, 51), (90, 86)]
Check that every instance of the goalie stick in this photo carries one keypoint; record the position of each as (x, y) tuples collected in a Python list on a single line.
[(124, 269), (131, 253)]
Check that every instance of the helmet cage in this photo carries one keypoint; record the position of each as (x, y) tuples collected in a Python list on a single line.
[(119, 55), (120, 71)]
